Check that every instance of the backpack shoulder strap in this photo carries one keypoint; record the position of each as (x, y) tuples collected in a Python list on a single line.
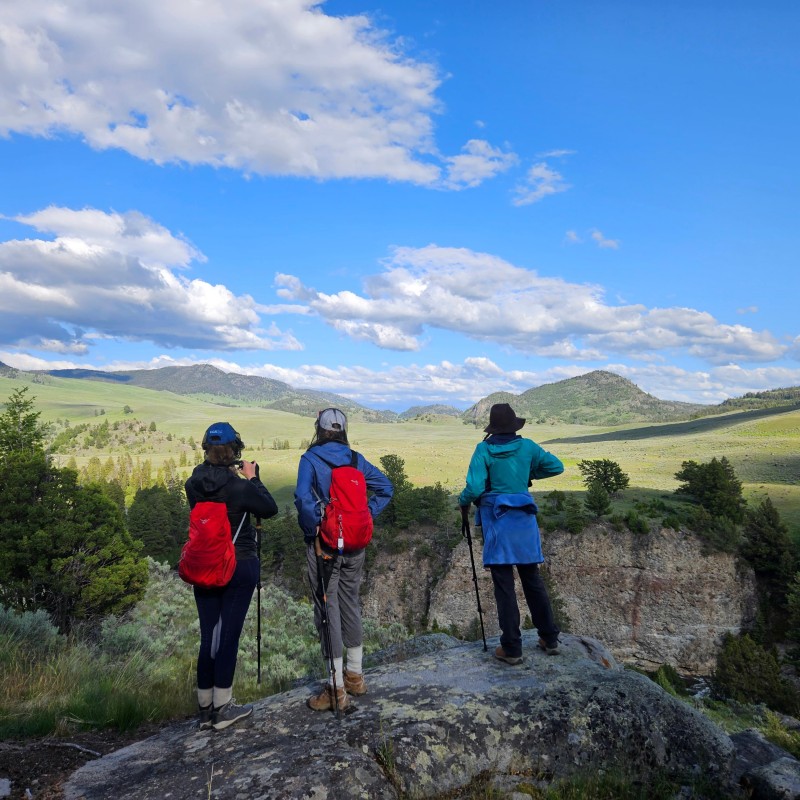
[(354, 459), (240, 527)]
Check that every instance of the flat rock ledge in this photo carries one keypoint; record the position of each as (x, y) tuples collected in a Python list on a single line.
[(433, 724)]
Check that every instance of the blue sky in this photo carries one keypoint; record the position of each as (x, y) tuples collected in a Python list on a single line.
[(401, 201)]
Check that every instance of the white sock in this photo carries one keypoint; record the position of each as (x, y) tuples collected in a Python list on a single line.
[(355, 656), (205, 697), (338, 666), (222, 696)]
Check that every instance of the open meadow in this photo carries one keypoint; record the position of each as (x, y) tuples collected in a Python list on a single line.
[(763, 446)]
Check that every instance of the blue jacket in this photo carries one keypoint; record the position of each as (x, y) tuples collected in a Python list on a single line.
[(510, 529), (314, 483)]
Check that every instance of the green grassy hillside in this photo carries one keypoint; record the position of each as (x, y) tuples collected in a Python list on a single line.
[(597, 398), (763, 445), (209, 383)]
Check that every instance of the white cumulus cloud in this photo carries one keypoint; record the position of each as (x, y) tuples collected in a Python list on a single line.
[(118, 275), (265, 87), (486, 298)]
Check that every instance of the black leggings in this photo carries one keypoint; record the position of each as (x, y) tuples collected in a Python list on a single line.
[(508, 611), (222, 612)]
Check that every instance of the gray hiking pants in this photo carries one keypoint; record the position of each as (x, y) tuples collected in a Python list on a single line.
[(344, 608)]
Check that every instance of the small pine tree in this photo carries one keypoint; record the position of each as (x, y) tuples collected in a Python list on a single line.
[(597, 501), (714, 486), (607, 473), (748, 673), (20, 429), (574, 519)]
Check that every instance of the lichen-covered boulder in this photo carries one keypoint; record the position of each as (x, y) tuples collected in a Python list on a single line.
[(428, 725)]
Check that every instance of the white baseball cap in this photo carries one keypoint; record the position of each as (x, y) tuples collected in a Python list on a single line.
[(331, 419)]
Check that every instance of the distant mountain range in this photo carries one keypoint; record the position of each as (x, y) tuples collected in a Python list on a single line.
[(209, 383), (596, 398)]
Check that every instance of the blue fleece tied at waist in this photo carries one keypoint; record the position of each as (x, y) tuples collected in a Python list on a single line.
[(510, 529)]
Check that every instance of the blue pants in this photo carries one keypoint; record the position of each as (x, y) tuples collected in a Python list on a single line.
[(222, 611), (508, 611)]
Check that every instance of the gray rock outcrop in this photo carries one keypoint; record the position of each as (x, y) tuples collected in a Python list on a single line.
[(652, 599), (435, 723)]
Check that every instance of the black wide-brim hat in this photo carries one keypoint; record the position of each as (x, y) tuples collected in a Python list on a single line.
[(502, 419)]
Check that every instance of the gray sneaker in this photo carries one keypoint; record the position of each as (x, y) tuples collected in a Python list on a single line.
[(204, 717), (228, 714), (551, 649)]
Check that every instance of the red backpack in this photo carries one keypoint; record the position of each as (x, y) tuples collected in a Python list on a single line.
[(346, 522), (208, 558)]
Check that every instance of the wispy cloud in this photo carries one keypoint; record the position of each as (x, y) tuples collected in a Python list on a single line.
[(118, 275), (478, 162), (556, 154), (486, 298), (541, 181), (572, 237), (602, 242)]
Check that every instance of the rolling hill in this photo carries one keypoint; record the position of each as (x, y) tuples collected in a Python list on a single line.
[(436, 409), (596, 398), (206, 382)]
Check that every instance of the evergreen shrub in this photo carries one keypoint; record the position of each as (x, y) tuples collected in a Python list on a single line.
[(748, 673)]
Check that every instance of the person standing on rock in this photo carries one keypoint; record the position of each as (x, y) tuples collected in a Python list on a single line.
[(222, 609), (328, 450), (501, 469)]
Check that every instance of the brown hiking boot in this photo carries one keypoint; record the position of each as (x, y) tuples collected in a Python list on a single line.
[(503, 656), (354, 683), (324, 700)]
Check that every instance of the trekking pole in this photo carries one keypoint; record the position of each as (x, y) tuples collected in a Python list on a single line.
[(465, 531), (258, 600), (326, 625)]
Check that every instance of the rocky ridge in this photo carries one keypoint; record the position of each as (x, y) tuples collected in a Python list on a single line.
[(435, 723)]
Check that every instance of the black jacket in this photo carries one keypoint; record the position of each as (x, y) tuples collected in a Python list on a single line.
[(242, 497)]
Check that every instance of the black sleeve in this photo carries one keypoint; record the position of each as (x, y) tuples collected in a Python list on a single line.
[(256, 499)]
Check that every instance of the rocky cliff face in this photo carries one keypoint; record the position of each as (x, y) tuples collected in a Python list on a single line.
[(652, 599)]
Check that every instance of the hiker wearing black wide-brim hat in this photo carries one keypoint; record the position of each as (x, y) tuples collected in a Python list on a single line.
[(502, 419), (224, 478), (501, 469)]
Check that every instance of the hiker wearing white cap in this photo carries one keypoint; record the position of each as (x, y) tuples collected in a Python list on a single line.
[(337, 610)]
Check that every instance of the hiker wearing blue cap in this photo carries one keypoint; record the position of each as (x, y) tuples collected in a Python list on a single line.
[(501, 469), (224, 477)]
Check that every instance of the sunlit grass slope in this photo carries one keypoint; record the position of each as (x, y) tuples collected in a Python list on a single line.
[(763, 446)]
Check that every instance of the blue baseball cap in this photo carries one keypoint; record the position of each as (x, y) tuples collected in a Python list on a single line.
[(220, 433)]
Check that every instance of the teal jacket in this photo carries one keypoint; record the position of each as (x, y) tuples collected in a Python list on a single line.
[(507, 468)]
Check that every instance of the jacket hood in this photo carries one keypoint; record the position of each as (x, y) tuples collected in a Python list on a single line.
[(335, 452), (505, 449), (209, 480)]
